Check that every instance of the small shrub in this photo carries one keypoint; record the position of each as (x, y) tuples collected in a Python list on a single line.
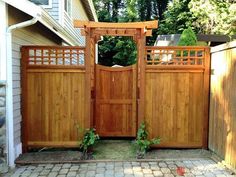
[(188, 38), (142, 142), (89, 139)]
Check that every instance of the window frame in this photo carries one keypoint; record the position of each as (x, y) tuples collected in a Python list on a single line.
[(66, 9), (48, 6)]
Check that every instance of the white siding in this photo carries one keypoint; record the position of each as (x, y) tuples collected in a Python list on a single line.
[(34, 35), (79, 13), (68, 26)]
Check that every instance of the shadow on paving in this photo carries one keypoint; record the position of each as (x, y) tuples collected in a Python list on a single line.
[(121, 150)]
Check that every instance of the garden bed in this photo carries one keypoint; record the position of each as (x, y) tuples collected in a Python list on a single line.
[(108, 150)]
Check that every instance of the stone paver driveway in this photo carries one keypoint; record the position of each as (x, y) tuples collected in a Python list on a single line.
[(200, 167)]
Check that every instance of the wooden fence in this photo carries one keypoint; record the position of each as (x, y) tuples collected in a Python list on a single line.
[(222, 129), (53, 95), (60, 93), (176, 92)]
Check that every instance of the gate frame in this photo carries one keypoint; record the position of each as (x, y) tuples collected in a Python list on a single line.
[(93, 32)]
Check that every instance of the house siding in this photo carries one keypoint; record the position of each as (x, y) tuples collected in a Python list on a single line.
[(3, 156), (54, 10), (33, 35), (78, 12)]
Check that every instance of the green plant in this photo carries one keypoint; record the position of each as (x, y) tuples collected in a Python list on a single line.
[(142, 142), (89, 139), (188, 38)]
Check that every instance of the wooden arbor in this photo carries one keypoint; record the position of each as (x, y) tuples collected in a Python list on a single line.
[(93, 32)]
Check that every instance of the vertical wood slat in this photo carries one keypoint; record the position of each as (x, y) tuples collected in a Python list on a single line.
[(141, 76), (88, 78), (222, 128), (24, 128), (206, 93)]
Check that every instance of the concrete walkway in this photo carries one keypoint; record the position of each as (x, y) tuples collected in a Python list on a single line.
[(196, 167)]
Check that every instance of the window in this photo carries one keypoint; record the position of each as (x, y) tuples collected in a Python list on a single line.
[(44, 3), (68, 7)]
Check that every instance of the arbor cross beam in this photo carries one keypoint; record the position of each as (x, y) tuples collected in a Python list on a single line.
[(129, 25)]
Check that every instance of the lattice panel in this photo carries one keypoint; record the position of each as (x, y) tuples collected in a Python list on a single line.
[(175, 56), (56, 56)]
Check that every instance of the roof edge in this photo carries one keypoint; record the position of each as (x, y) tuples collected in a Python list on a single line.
[(90, 10), (44, 18)]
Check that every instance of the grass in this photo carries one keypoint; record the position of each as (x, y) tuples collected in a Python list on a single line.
[(114, 150)]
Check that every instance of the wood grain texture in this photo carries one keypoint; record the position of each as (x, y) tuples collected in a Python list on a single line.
[(174, 108), (115, 101), (55, 107), (130, 25), (53, 97), (222, 125), (173, 100), (177, 95)]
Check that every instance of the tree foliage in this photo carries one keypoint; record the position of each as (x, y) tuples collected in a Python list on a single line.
[(117, 51), (177, 17), (214, 16), (122, 50), (204, 16)]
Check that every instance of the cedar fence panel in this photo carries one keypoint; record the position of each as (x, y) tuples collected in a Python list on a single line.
[(53, 94), (176, 95), (222, 129)]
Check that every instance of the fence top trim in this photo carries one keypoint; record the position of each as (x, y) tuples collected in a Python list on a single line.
[(52, 47), (228, 45), (177, 47)]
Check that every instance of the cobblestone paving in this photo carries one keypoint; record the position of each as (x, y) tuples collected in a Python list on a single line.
[(199, 168)]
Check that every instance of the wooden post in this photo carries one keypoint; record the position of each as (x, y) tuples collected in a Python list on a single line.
[(24, 127), (206, 90), (141, 75), (87, 79)]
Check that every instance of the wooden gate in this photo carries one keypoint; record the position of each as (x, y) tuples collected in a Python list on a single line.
[(115, 101)]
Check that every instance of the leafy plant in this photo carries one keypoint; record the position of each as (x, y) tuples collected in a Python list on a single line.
[(142, 142), (188, 38), (89, 139)]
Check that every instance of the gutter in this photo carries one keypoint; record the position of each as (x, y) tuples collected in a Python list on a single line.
[(56, 28), (93, 10), (9, 89)]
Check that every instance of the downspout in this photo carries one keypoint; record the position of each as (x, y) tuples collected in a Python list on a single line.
[(96, 49), (9, 89)]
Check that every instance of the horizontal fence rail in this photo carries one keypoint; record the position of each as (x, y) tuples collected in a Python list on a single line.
[(57, 57), (178, 56)]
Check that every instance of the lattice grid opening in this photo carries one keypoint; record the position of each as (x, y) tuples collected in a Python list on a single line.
[(56, 56), (175, 56)]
